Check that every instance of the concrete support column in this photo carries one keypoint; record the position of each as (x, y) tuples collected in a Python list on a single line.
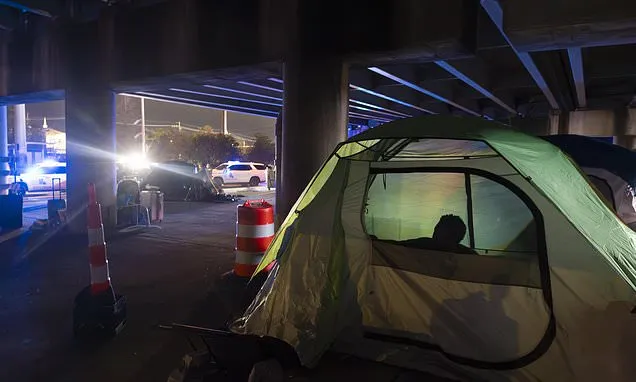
[(90, 151), (314, 121), (627, 141), (278, 163), (556, 122), (5, 179), (19, 131), (90, 124), (626, 136)]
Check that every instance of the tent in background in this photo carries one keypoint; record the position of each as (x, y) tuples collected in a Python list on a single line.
[(611, 168)]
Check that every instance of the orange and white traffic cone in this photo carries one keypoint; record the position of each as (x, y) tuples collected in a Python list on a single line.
[(100, 275), (98, 310)]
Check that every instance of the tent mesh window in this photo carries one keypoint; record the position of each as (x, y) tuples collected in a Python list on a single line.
[(486, 218), (432, 149)]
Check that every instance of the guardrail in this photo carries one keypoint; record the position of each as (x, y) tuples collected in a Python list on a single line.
[(5, 173)]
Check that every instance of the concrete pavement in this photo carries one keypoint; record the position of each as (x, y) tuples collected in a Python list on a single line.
[(166, 274)]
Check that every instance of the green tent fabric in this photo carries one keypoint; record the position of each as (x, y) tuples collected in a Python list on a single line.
[(541, 264)]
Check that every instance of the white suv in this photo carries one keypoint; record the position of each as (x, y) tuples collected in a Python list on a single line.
[(248, 173), (41, 176)]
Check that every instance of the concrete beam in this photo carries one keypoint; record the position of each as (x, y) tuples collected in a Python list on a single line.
[(23, 7), (495, 12), (488, 35), (230, 89), (474, 81), (411, 83), (576, 65), (260, 31), (619, 122), (238, 100), (361, 96), (194, 100), (535, 25), (267, 93), (221, 77), (404, 30), (44, 96), (595, 123), (554, 65), (387, 94)]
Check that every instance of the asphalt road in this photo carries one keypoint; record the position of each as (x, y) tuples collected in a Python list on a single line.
[(179, 273), (169, 275)]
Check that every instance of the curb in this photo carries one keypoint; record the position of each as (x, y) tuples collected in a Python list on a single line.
[(33, 208)]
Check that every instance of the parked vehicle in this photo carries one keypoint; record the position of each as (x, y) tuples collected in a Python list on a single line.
[(249, 173), (40, 177), (177, 180)]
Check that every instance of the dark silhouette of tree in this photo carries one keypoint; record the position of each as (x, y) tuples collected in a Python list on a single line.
[(169, 144), (263, 151), (212, 149)]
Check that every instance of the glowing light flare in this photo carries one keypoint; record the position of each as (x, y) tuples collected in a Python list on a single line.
[(135, 161)]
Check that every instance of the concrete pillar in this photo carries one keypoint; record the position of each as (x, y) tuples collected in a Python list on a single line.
[(90, 151), (593, 123), (19, 131), (627, 141), (556, 122), (90, 123), (314, 120), (5, 179), (278, 163)]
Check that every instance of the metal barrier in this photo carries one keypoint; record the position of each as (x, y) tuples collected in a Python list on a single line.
[(138, 210), (5, 175)]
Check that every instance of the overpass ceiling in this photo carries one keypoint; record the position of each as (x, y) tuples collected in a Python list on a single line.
[(501, 80), (15, 14), (512, 72), (493, 84)]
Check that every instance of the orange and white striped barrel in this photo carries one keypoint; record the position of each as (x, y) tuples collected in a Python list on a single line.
[(100, 277), (254, 232)]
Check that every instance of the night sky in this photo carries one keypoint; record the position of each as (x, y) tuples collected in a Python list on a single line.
[(158, 112)]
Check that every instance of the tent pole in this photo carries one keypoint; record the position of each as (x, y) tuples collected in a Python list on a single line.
[(469, 207)]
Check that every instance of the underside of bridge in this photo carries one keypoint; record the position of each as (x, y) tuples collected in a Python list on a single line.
[(540, 65)]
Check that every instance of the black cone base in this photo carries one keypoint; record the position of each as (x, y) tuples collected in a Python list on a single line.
[(97, 317)]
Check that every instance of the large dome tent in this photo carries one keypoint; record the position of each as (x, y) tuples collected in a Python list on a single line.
[(539, 284)]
